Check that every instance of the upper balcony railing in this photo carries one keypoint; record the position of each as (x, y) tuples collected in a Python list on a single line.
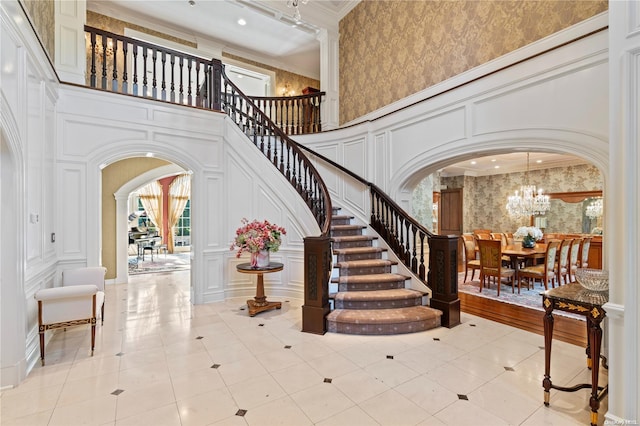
[(133, 67)]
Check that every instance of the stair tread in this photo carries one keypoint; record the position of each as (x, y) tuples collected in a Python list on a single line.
[(359, 250), (341, 216), (344, 238), (344, 227), (383, 316), (365, 263), (378, 295), (366, 278)]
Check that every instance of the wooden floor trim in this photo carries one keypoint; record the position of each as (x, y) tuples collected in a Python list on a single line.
[(566, 329)]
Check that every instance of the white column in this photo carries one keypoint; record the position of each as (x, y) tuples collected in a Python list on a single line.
[(70, 55), (329, 78), (122, 238), (622, 229)]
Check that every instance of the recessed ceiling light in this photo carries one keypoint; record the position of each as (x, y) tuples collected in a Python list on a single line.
[(496, 167), (239, 75), (149, 154), (242, 22), (538, 161), (493, 160), (474, 162)]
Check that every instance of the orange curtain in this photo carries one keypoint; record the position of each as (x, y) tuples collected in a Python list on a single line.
[(179, 193)]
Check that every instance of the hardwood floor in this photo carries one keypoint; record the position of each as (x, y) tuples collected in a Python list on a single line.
[(565, 329)]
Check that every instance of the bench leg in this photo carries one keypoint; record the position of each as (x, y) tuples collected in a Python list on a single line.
[(42, 345), (93, 334)]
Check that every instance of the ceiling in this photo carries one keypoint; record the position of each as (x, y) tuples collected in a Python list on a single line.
[(510, 163), (270, 36)]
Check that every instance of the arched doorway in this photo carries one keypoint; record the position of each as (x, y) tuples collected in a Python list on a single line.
[(12, 293), (118, 212)]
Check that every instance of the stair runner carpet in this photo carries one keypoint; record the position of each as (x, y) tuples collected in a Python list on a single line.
[(371, 298)]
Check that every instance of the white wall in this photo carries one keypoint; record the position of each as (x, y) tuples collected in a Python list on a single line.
[(28, 100), (623, 222)]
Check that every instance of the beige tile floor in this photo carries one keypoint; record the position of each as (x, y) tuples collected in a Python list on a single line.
[(161, 361)]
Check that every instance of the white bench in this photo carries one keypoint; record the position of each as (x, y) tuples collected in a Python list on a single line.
[(87, 275), (62, 307)]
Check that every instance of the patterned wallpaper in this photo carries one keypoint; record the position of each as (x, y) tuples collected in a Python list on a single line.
[(392, 49), (42, 16), (485, 198)]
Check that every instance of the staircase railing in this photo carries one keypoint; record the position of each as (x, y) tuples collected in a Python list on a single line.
[(133, 67), (295, 115), (406, 238), (283, 153)]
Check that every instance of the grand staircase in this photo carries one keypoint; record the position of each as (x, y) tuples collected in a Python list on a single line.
[(370, 297)]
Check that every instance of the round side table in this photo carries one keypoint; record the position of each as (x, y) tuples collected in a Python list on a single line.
[(259, 303)]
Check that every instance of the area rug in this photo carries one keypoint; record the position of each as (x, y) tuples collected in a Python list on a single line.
[(528, 298), (160, 263)]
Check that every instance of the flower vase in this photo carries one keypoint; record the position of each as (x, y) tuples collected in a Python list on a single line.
[(528, 242), (260, 259)]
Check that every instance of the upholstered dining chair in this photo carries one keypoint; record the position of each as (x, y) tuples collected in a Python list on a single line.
[(87, 275), (562, 264), (584, 252), (544, 272), (470, 260), (491, 264), (574, 260)]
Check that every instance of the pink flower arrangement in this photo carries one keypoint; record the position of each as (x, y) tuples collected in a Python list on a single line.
[(256, 236)]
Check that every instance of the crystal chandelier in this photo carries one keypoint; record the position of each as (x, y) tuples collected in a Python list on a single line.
[(594, 209), (294, 4), (529, 201)]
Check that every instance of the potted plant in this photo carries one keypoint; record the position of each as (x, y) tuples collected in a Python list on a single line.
[(259, 239), (529, 235)]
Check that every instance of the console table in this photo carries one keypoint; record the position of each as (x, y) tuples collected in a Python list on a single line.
[(576, 299), (259, 303)]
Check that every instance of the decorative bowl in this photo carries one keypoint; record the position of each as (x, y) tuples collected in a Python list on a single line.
[(593, 279)]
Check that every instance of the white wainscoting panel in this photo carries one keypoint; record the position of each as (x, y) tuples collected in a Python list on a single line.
[(558, 101), (80, 139), (207, 148), (73, 211), (406, 141)]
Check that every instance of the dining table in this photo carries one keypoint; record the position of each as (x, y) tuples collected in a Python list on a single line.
[(517, 253)]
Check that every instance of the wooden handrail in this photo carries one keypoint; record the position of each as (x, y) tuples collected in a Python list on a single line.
[(281, 150)]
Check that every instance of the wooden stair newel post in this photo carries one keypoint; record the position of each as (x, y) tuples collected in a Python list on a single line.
[(443, 278), (317, 272)]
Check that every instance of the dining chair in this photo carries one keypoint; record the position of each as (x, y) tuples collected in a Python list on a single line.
[(503, 241), (509, 237), (574, 260), (491, 265), (544, 272), (562, 263), (470, 260), (584, 252)]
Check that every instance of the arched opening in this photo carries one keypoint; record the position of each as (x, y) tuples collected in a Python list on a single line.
[(484, 206), (12, 293), (120, 214)]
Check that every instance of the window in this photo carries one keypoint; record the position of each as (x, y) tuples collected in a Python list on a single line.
[(182, 230)]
